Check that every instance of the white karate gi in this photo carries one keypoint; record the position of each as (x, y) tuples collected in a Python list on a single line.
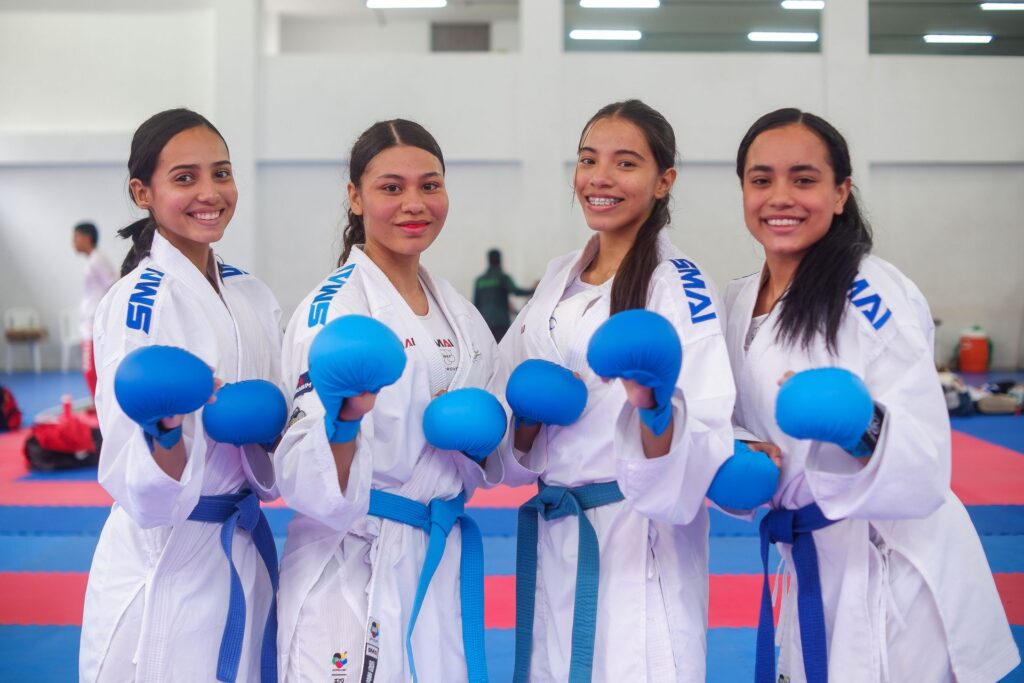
[(157, 597), (653, 594), (345, 572), (906, 589)]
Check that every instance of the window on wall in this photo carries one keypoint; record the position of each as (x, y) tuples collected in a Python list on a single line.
[(947, 27), (390, 26), (693, 25)]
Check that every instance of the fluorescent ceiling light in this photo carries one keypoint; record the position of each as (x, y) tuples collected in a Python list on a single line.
[(604, 34), (405, 4), (936, 38), (620, 4), (803, 4), (781, 37), (1003, 5)]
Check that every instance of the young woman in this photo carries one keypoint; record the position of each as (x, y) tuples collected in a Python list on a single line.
[(651, 528), (899, 589), (355, 576), (157, 604)]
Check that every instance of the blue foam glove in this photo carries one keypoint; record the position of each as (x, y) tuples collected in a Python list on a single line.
[(251, 411), (745, 481), (539, 391), (353, 354), (827, 404), (468, 420), (154, 382), (642, 346)]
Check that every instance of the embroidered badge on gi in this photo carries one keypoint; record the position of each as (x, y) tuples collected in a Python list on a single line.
[(304, 385), (372, 651), (783, 678), (340, 670), (297, 415)]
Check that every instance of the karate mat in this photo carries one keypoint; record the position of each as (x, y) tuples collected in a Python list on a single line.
[(49, 527)]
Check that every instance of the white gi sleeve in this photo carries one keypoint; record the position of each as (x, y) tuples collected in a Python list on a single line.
[(908, 476), (127, 469), (519, 468), (492, 472), (306, 473), (672, 488)]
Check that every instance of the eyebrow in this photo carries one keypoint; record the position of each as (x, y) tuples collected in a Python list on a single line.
[(799, 168), (396, 176), (618, 151), (190, 167)]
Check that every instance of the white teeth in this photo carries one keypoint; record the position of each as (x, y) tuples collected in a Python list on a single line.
[(206, 216), (783, 222), (602, 201)]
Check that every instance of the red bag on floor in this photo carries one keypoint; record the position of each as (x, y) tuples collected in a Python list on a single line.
[(65, 442), (10, 416)]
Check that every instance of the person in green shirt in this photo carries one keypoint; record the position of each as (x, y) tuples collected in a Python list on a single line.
[(491, 292)]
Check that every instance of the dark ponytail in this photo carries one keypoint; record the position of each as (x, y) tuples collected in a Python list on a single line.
[(141, 233), (816, 299), (374, 140), (633, 278), (147, 144)]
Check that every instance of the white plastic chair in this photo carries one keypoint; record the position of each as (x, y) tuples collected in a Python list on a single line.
[(22, 326), (70, 337)]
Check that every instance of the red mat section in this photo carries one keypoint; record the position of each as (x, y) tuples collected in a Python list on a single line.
[(986, 474), (42, 598), (499, 602), (1011, 590)]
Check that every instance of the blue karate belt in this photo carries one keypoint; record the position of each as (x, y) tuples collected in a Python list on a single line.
[(233, 510), (794, 527), (554, 502), (437, 519)]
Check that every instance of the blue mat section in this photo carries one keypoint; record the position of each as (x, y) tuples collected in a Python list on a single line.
[(1017, 675), (83, 474), (501, 645), (1003, 430), (988, 519), (731, 655), (35, 393), (39, 653)]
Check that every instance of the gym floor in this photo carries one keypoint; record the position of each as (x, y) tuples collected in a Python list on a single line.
[(49, 526)]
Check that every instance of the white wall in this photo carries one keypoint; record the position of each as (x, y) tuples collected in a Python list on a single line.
[(937, 145)]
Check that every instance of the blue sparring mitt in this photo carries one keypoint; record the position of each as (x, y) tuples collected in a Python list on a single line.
[(351, 355), (642, 346), (468, 420), (829, 404), (539, 391), (746, 480), (154, 382), (251, 411)]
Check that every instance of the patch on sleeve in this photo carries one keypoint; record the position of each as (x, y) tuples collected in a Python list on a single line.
[(297, 415), (304, 386), (696, 291), (227, 271), (322, 300), (142, 300), (863, 296)]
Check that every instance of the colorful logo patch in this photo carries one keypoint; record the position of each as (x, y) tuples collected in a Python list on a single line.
[(340, 659)]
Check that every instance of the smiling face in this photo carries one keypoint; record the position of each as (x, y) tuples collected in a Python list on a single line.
[(790, 195), (617, 179), (402, 199), (192, 192)]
